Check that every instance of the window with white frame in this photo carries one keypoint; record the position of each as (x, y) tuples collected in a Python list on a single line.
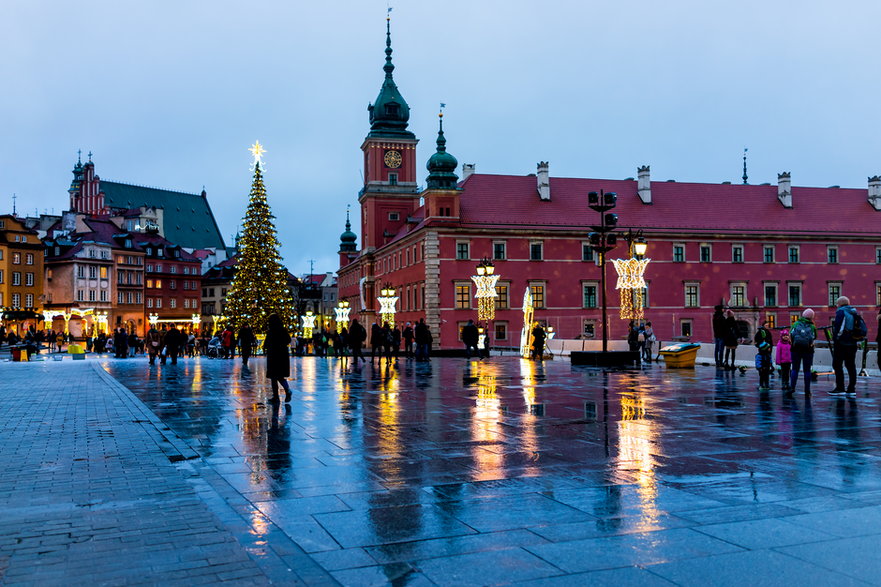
[(692, 295), (463, 250), (501, 331), (738, 294), (833, 290), (588, 328), (793, 254), (768, 253), (16, 278), (589, 292), (685, 327), (587, 252), (500, 250), (16, 300), (737, 253), (29, 279), (706, 253), (29, 300), (463, 295), (537, 288), (536, 251), (679, 253), (794, 298), (832, 255), (770, 295), (502, 296)]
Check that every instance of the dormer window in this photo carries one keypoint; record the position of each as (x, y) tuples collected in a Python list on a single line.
[(392, 109)]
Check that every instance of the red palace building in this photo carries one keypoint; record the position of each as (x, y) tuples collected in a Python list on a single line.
[(766, 251)]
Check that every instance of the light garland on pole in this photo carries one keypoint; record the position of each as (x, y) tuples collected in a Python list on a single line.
[(387, 302), (526, 333), (631, 282), (486, 294), (342, 314), (308, 324)]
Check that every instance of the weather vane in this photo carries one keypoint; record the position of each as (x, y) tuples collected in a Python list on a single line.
[(257, 150)]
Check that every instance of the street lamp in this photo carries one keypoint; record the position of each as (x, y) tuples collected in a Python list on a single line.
[(486, 295), (387, 301), (602, 241)]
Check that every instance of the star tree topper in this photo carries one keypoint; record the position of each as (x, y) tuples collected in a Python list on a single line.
[(257, 150)]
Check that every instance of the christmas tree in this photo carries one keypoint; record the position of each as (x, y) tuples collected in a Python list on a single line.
[(260, 285)]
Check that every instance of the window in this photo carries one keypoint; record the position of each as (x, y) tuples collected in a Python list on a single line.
[(692, 295), (137, 297), (128, 243), (29, 279), (501, 297), (159, 268), (834, 291), (1, 278), (737, 253), (158, 302), (172, 284), (685, 328), (93, 272), (119, 297), (463, 250), (793, 254), (172, 269), (771, 319), (794, 295), (463, 295), (877, 255), (500, 252), (91, 253), (832, 255), (91, 295), (738, 295), (104, 272), (105, 254), (588, 328), (79, 295), (768, 253), (186, 302), (538, 294), (103, 295), (80, 271), (587, 252), (589, 295), (501, 331), (16, 258), (706, 254), (29, 300), (394, 216), (149, 302), (16, 300), (29, 259), (149, 284), (187, 271), (877, 294), (16, 278), (536, 251), (392, 180), (679, 253), (158, 284), (771, 295)]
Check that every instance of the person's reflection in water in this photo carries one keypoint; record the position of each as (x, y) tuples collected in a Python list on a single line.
[(849, 445), (278, 443)]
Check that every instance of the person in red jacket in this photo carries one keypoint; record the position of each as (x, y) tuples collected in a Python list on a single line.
[(784, 358)]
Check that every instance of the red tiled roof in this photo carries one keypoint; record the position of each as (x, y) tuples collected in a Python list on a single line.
[(512, 201)]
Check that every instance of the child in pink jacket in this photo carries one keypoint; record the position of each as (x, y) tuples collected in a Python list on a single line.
[(784, 358)]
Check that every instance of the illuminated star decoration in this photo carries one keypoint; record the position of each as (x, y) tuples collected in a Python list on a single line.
[(257, 150)]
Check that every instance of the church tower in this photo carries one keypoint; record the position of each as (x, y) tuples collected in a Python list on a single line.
[(390, 193)]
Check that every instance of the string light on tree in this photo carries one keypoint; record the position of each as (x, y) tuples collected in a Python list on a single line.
[(387, 302), (259, 287)]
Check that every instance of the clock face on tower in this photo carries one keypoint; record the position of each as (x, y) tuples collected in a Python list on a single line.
[(392, 159)]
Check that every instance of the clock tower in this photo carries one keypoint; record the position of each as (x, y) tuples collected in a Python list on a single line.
[(390, 193)]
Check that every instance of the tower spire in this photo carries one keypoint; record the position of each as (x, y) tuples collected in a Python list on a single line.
[(442, 165), (745, 176), (389, 67), (389, 113)]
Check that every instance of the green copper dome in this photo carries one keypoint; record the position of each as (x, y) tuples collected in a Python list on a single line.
[(348, 238), (442, 166), (390, 113)]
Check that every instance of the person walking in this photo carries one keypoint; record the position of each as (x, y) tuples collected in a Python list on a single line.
[(730, 340), (154, 343), (247, 340), (408, 339), (357, 336), (632, 337), (764, 342), (784, 358), (396, 343), (803, 333), (719, 335), (387, 342), (538, 342), (278, 357), (847, 331), (173, 342), (649, 335), (422, 336), (470, 335)]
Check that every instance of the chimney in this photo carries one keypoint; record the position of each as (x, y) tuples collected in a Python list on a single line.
[(875, 192), (467, 170), (644, 184), (544, 185), (784, 189)]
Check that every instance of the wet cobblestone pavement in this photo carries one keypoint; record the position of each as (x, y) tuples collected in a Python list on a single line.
[(452, 472)]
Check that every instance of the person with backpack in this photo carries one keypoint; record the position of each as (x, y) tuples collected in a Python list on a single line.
[(848, 330), (803, 334), (764, 342)]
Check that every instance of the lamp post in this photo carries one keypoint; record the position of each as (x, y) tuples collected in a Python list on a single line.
[(486, 295), (602, 241), (387, 300), (342, 313)]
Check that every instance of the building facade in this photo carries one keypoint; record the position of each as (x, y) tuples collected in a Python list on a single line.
[(21, 274), (765, 251)]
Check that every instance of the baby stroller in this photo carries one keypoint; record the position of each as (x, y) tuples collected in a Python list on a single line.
[(214, 348)]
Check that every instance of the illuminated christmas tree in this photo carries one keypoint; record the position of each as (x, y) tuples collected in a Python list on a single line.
[(259, 287)]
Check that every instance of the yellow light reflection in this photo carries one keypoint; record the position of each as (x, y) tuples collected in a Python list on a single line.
[(486, 428), (637, 436)]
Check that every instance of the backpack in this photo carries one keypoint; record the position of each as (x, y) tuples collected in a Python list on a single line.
[(802, 335), (859, 330)]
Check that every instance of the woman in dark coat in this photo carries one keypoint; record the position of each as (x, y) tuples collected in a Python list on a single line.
[(730, 339), (278, 357)]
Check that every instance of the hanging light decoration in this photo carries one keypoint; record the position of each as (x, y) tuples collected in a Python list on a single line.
[(526, 333), (342, 313), (387, 302), (486, 295), (308, 324), (631, 282)]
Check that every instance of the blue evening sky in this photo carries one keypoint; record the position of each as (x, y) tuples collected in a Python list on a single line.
[(171, 93)]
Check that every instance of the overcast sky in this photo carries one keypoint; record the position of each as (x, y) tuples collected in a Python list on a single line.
[(171, 93)]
